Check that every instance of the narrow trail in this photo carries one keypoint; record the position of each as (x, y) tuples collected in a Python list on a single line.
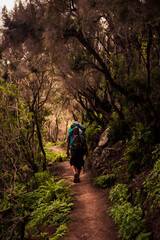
[(90, 220)]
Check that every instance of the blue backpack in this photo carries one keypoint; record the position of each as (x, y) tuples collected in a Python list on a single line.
[(77, 138)]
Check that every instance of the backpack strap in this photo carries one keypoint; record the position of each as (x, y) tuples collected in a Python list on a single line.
[(70, 133)]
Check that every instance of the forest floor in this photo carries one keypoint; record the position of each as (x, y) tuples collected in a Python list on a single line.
[(89, 214)]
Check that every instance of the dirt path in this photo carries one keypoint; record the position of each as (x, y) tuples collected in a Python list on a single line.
[(56, 149), (90, 220)]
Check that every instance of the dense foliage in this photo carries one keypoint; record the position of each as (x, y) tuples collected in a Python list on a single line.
[(29, 199), (43, 203), (100, 60)]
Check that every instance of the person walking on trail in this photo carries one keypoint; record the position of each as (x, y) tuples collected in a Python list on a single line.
[(77, 147)]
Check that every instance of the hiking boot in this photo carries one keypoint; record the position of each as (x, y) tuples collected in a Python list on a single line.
[(76, 178)]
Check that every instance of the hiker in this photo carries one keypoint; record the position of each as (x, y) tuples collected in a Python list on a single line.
[(78, 147)]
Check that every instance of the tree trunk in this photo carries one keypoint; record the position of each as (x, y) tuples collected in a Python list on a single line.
[(40, 142)]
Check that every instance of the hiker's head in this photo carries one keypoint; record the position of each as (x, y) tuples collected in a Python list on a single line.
[(79, 126), (75, 125)]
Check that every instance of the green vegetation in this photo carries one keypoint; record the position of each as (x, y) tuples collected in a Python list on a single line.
[(105, 180), (119, 193), (119, 129), (152, 188), (128, 218), (51, 144), (52, 156), (43, 202), (130, 221), (59, 233), (64, 61), (136, 154), (91, 131), (136, 197)]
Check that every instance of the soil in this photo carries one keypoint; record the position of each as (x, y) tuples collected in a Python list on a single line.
[(89, 214), (56, 149)]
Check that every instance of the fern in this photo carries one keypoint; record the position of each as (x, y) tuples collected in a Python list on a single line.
[(59, 233), (105, 180)]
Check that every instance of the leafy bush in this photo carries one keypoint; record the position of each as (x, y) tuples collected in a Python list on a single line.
[(59, 233), (135, 154), (61, 144), (119, 129), (53, 204), (139, 197), (119, 193), (41, 204), (152, 187), (56, 212), (58, 157), (38, 179), (129, 220), (144, 236), (156, 152), (105, 180), (52, 156), (91, 132)]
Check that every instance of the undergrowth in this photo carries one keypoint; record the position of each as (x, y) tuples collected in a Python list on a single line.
[(105, 181), (61, 144), (136, 195), (91, 132), (52, 156), (129, 218), (118, 129), (152, 184), (133, 209), (62, 229), (44, 201), (136, 154)]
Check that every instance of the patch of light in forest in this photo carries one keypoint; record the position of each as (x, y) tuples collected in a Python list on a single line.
[(8, 3)]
